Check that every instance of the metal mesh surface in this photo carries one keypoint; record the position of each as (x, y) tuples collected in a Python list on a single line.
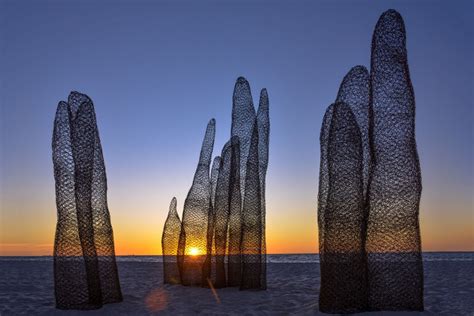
[(252, 222), (169, 245), (85, 271), (223, 229), (389, 241), (192, 251), (393, 233), (227, 193), (342, 254), (263, 121)]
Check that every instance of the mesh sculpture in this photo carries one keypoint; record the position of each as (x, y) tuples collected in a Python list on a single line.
[(342, 254), (85, 271), (374, 251), (393, 232), (169, 244), (197, 206), (246, 125), (227, 200), (252, 234), (222, 236)]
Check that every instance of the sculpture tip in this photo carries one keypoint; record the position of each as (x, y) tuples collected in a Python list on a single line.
[(241, 80)]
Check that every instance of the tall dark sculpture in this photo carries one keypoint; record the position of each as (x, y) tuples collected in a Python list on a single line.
[(85, 271), (246, 125), (342, 253), (354, 92), (169, 245), (381, 262), (192, 251), (252, 222), (209, 267), (234, 255), (222, 240), (393, 232), (227, 196), (263, 122)]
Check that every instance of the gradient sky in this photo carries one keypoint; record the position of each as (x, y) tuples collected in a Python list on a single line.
[(158, 71)]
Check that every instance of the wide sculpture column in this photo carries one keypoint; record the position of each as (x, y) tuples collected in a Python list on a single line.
[(393, 233), (85, 270), (383, 107)]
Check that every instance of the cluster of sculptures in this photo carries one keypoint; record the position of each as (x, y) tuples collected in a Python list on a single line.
[(221, 239), (370, 185), (368, 203)]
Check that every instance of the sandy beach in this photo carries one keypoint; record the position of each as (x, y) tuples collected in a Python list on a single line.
[(26, 288)]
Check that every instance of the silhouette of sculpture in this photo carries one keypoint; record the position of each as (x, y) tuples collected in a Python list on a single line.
[(227, 194), (380, 264), (252, 224), (192, 250), (209, 268), (222, 241), (246, 125), (354, 92), (85, 271), (169, 244), (342, 254), (234, 256), (393, 232), (263, 120)]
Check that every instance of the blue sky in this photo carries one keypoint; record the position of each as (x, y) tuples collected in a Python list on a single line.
[(157, 71)]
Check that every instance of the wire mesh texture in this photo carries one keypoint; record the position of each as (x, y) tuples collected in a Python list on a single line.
[(393, 232), (342, 254), (169, 244), (85, 270), (380, 261), (197, 207), (222, 239)]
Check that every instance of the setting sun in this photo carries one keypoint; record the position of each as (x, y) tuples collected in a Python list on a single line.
[(193, 251)]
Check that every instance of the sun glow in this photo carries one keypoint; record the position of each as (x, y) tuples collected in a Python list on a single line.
[(193, 251)]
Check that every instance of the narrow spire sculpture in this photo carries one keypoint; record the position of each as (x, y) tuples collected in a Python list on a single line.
[(85, 270), (169, 245), (385, 271), (197, 206)]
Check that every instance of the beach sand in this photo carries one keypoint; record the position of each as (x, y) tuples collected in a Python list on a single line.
[(26, 287)]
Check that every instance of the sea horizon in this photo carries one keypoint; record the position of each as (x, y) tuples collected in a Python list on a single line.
[(428, 256)]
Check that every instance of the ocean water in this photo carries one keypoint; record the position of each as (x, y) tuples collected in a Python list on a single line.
[(274, 258)]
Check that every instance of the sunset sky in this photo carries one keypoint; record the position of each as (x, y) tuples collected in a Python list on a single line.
[(158, 71)]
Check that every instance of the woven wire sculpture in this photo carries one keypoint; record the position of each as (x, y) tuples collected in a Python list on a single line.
[(222, 240), (192, 251), (354, 92), (385, 251), (393, 232), (342, 255), (234, 255), (85, 270), (209, 267), (252, 229), (263, 121), (227, 191), (246, 125), (169, 244)]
